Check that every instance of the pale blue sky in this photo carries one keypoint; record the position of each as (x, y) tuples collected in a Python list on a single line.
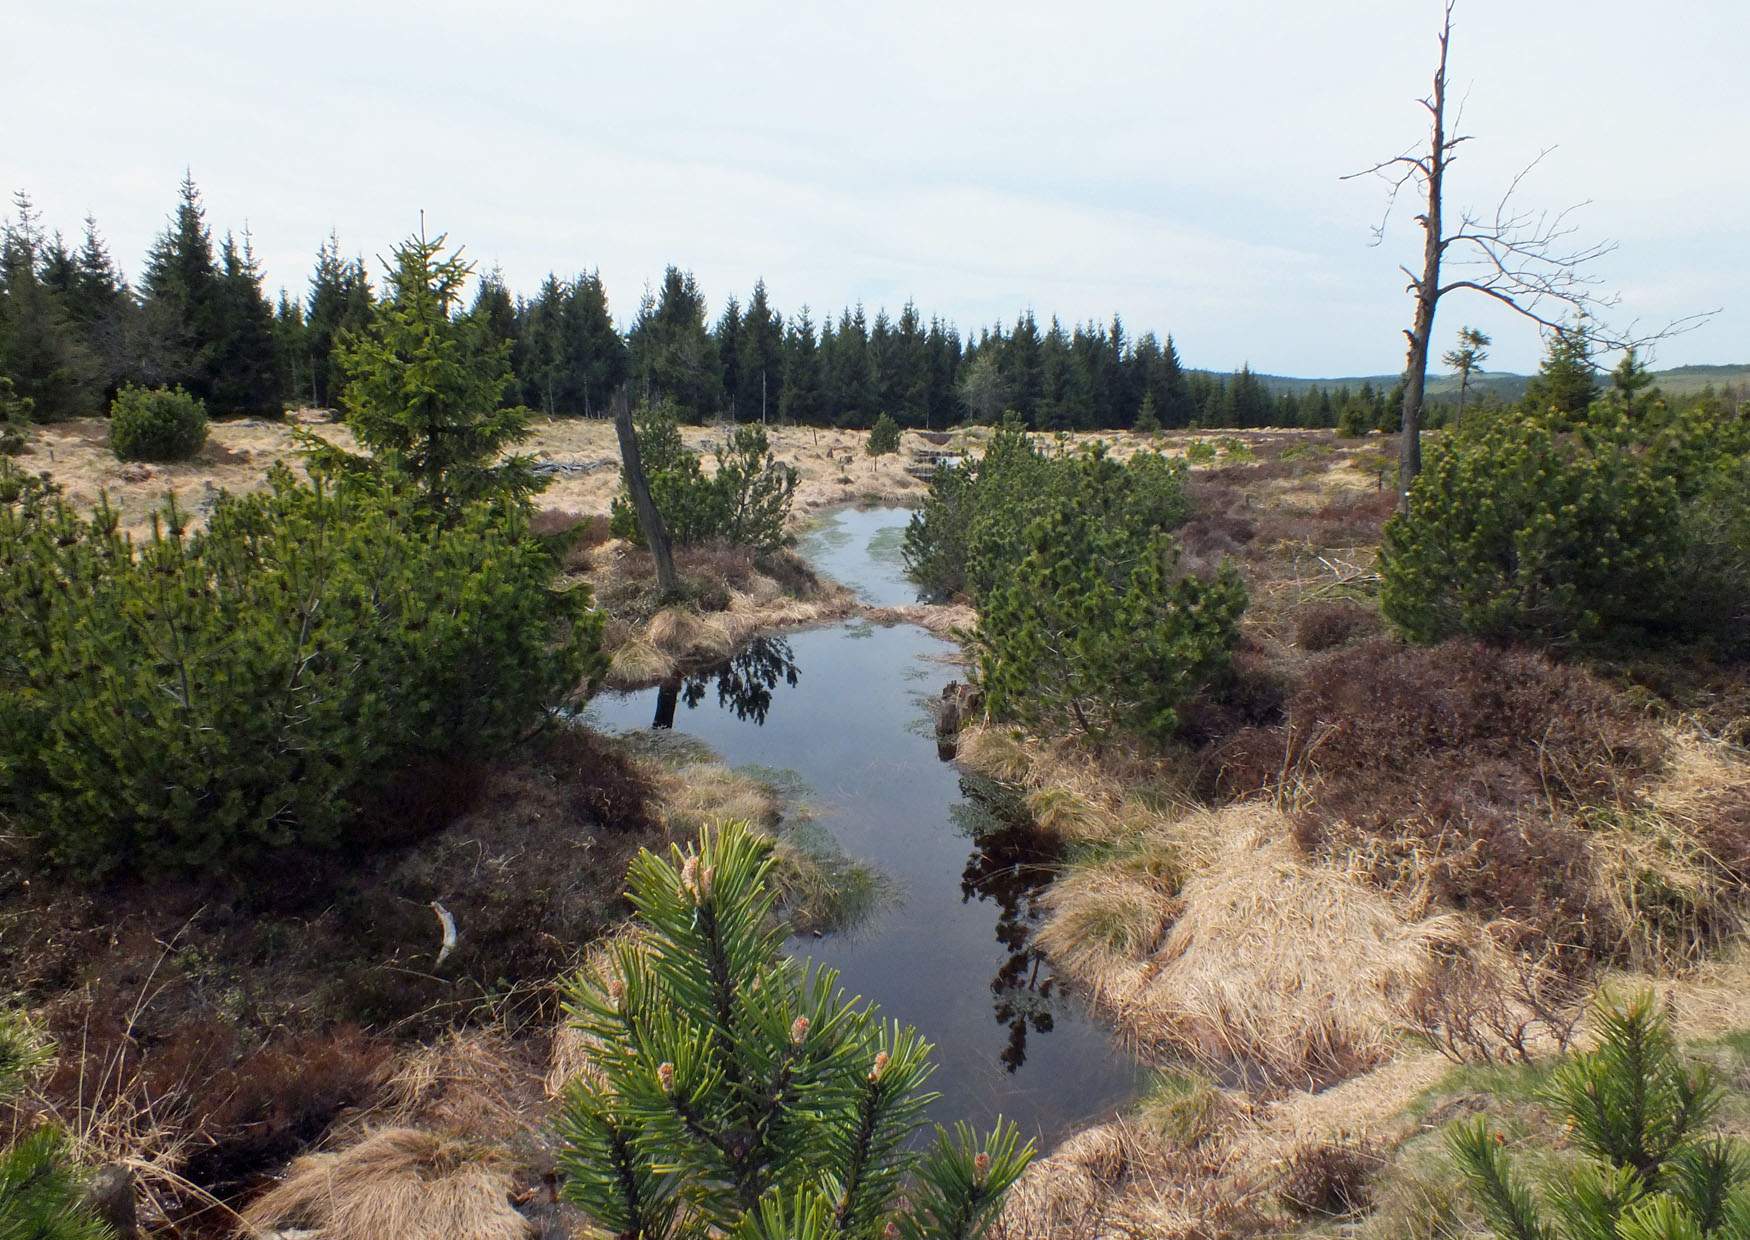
[(1176, 161)]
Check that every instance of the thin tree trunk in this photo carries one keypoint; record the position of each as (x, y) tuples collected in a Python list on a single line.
[(1421, 331), (649, 519)]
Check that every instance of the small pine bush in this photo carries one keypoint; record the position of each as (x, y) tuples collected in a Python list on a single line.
[(14, 418), (41, 1197), (201, 699), (1092, 629), (736, 1091), (1535, 527), (1639, 1115), (971, 531), (156, 424), (746, 501), (883, 437)]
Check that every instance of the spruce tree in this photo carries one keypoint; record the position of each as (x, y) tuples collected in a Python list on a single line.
[(736, 1091), (339, 301), (180, 311), (728, 339), (245, 363), (1631, 387), (846, 371), (291, 348), (671, 351), (1566, 382), (801, 400), (599, 352), (760, 368), (40, 346), (103, 308), (425, 386)]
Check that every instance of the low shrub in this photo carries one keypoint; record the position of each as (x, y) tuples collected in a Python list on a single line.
[(883, 437), (746, 501), (1561, 531), (1337, 622), (1332, 1179), (42, 1196), (971, 532), (200, 699), (15, 418), (1440, 765), (156, 424), (1091, 628)]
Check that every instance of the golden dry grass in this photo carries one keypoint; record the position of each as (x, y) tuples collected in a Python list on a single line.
[(832, 467), (1220, 942), (399, 1182), (468, 1083)]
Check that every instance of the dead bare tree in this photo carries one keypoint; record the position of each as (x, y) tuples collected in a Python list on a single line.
[(649, 519), (1526, 259)]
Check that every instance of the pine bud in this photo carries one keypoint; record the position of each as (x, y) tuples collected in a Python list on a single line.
[(880, 1066), (690, 876), (616, 991), (980, 1167), (798, 1030), (665, 1077), (891, 1231), (706, 879)]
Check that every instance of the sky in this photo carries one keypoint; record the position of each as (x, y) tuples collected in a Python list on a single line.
[(1176, 162)]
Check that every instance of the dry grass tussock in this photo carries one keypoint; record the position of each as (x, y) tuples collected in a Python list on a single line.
[(735, 602), (1136, 1178), (1223, 944), (399, 1182), (1128, 790)]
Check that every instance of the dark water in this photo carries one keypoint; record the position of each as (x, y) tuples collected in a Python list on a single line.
[(951, 952)]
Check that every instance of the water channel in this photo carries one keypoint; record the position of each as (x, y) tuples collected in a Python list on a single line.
[(949, 948)]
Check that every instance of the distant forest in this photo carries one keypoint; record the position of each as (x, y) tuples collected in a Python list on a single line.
[(73, 331)]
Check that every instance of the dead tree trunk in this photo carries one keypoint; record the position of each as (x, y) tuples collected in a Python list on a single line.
[(649, 519), (1523, 259), (1427, 288)]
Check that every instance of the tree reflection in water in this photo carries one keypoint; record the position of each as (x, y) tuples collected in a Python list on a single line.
[(1012, 865), (744, 683)]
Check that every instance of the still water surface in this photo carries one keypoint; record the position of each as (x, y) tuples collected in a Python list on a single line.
[(950, 950)]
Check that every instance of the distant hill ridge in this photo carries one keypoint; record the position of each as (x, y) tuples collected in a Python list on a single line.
[(1678, 381)]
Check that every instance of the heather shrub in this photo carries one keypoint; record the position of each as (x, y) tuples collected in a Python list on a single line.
[(883, 437), (1542, 528), (200, 698), (1326, 625), (1442, 766), (156, 424), (1333, 1179), (745, 501)]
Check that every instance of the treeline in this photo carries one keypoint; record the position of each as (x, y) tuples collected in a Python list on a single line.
[(73, 331)]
